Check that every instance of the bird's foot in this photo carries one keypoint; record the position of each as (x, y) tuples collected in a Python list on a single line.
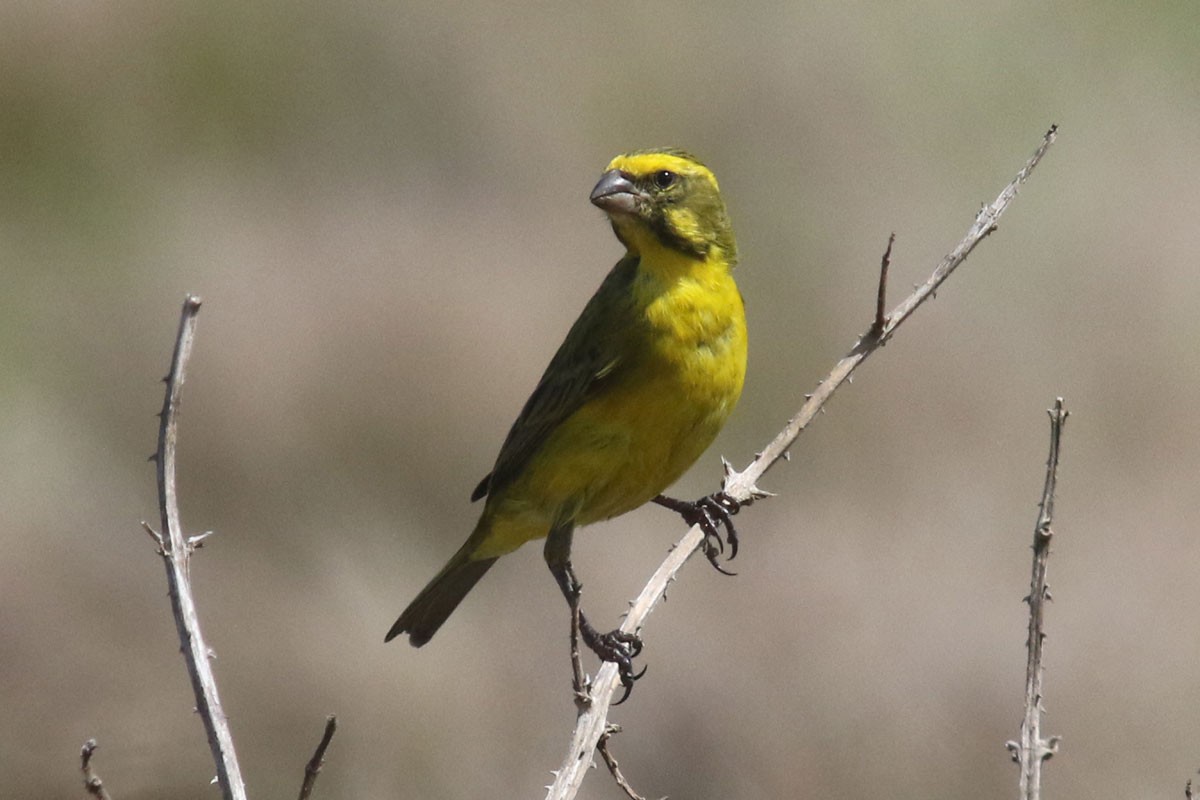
[(616, 647), (710, 513)]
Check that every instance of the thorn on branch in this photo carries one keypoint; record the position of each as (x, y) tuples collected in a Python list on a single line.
[(1052, 747), (740, 488), (197, 541), (155, 535)]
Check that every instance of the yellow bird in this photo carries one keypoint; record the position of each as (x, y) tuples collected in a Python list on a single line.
[(645, 379)]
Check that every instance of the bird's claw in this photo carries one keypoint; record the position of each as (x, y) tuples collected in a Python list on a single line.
[(620, 648), (710, 513), (718, 510)]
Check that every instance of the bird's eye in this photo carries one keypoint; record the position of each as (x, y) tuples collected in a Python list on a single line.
[(665, 179)]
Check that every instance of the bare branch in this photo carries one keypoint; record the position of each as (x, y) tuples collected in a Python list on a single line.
[(313, 768), (741, 485), (611, 762), (1032, 749), (91, 781), (591, 721), (176, 549)]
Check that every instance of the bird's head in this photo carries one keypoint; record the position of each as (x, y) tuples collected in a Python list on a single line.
[(665, 199)]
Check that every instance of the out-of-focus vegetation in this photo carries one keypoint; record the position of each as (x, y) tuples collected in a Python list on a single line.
[(385, 209)]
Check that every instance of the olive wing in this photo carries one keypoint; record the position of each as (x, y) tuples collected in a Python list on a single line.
[(588, 362)]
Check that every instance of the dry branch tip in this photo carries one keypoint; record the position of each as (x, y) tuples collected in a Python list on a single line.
[(610, 761), (91, 781), (1032, 749), (881, 319), (313, 768), (175, 549)]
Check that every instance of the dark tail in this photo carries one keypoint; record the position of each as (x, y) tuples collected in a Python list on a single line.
[(438, 600)]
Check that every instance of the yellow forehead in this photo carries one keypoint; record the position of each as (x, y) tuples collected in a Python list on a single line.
[(646, 163)]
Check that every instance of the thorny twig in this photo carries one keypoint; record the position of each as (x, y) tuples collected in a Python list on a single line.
[(1032, 749)]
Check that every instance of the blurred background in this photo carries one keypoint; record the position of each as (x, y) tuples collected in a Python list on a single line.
[(384, 207)]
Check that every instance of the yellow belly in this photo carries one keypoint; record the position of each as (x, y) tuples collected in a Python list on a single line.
[(624, 447)]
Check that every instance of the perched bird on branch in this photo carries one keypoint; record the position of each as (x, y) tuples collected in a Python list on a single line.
[(641, 386)]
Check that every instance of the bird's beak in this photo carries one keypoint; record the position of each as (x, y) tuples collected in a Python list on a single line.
[(616, 194)]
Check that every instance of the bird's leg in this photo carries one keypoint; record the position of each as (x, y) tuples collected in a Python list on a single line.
[(710, 513), (617, 647)]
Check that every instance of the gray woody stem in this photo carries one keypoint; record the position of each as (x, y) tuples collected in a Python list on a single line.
[(313, 768), (592, 720), (91, 781), (176, 550), (1032, 750)]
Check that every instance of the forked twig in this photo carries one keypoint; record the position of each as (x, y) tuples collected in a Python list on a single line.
[(592, 721)]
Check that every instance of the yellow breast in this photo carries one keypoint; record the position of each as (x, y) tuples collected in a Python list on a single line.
[(680, 380), (671, 407)]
